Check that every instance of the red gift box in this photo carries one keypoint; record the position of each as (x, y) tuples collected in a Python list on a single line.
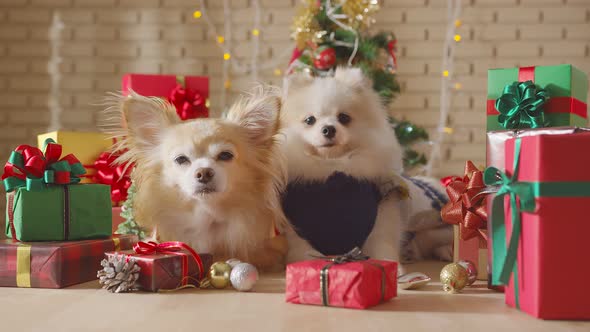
[(357, 285), (189, 94), (167, 268), (495, 156), (55, 264), (544, 265)]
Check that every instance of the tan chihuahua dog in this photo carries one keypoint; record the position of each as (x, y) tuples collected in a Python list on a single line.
[(211, 183)]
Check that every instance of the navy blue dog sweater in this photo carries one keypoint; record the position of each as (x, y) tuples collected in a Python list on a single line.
[(333, 216)]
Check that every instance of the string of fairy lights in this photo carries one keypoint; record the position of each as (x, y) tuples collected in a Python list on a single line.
[(231, 65), (223, 41), (448, 85)]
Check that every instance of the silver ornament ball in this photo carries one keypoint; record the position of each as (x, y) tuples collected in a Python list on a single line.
[(471, 270), (243, 277)]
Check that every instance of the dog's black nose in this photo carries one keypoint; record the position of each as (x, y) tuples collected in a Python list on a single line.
[(329, 131), (205, 174)]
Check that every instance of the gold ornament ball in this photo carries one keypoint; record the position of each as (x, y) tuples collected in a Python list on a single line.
[(219, 274), (454, 278)]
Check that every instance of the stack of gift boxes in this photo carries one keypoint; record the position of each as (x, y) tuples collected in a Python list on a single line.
[(524, 220), (64, 196)]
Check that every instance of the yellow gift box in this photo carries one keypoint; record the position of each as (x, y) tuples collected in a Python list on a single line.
[(86, 146)]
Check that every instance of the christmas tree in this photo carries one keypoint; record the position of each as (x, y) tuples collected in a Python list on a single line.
[(336, 33), (130, 226)]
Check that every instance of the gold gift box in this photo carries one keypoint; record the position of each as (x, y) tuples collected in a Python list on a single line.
[(86, 146)]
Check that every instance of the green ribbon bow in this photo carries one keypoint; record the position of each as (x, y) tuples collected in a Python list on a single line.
[(521, 106), (522, 199), (28, 167)]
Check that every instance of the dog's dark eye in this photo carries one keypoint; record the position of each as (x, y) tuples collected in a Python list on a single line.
[(225, 156), (310, 120), (344, 118), (182, 160)]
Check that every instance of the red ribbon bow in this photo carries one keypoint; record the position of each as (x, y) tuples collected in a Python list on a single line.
[(464, 208), (173, 247), (189, 103), (118, 177), (29, 164)]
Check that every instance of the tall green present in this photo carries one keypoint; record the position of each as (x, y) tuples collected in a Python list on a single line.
[(536, 97), (45, 201)]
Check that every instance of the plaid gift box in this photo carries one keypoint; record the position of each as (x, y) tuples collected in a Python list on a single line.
[(55, 264), (167, 265)]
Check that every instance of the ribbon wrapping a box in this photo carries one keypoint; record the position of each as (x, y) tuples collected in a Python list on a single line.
[(565, 94), (55, 264), (167, 265), (71, 212), (357, 284), (189, 94), (44, 201), (495, 156), (540, 225), (94, 152), (86, 146)]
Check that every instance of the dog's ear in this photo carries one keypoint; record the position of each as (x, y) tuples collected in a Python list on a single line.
[(353, 77), (146, 117), (258, 113)]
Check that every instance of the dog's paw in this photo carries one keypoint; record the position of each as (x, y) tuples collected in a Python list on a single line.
[(444, 253)]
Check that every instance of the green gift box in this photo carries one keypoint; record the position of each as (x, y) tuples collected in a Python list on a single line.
[(45, 201), (68, 212), (556, 96)]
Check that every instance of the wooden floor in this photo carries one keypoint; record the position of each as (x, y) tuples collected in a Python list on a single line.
[(87, 308)]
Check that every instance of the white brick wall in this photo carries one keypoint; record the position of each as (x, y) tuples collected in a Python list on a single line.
[(104, 39)]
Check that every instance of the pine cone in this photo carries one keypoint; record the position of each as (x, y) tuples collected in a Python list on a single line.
[(118, 275)]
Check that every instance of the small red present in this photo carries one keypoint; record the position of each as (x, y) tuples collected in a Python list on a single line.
[(467, 211), (167, 265), (540, 225), (189, 94), (55, 264), (350, 281)]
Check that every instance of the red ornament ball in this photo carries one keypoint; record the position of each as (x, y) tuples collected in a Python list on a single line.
[(325, 58)]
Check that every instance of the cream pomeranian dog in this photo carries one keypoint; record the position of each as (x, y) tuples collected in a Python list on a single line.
[(211, 183), (341, 153), (345, 186)]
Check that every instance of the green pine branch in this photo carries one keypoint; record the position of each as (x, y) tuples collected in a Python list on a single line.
[(130, 226)]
